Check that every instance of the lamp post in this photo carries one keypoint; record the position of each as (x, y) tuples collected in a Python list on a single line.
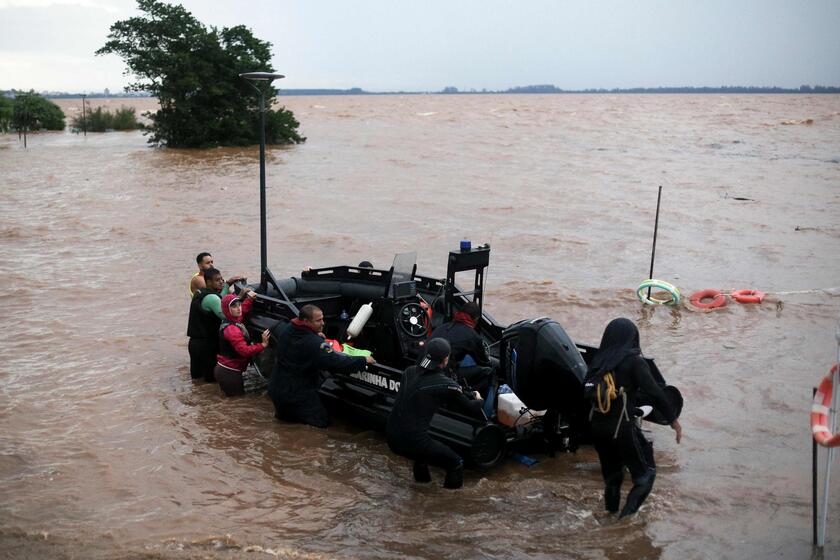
[(252, 78), (84, 115)]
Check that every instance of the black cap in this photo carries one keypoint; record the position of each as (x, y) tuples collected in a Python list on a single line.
[(437, 350)]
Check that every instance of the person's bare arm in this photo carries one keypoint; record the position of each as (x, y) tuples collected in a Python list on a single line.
[(197, 283)]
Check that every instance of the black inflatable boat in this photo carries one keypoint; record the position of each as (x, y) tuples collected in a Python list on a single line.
[(538, 360)]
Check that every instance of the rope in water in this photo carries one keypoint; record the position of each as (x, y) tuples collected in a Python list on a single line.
[(814, 291)]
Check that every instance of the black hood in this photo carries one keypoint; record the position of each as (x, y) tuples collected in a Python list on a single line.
[(620, 340)]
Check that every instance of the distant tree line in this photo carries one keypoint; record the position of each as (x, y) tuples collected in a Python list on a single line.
[(520, 89), (548, 88)]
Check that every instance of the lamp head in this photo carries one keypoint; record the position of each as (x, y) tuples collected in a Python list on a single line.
[(261, 76)]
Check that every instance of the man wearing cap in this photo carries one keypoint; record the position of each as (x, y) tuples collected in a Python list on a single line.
[(423, 389), (302, 354)]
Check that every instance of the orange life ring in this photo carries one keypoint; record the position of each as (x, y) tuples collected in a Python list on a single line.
[(717, 299), (747, 296), (428, 318), (819, 412)]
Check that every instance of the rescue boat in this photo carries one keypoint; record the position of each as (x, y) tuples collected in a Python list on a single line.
[(399, 309)]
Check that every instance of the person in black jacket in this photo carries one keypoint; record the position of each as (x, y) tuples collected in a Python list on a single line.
[(302, 353), (617, 374), (423, 389), (468, 348)]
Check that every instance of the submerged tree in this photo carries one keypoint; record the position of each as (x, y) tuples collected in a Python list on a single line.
[(194, 72), (30, 111)]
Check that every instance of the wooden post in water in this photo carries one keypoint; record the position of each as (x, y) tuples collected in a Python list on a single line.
[(655, 230)]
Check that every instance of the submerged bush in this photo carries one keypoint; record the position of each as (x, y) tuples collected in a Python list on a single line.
[(100, 120)]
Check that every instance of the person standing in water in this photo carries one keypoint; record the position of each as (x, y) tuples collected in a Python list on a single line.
[(616, 375), (235, 348), (197, 281), (423, 389), (302, 353), (203, 325)]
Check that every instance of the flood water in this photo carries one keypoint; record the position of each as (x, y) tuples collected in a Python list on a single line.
[(109, 450)]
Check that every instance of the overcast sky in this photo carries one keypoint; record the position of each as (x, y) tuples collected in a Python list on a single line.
[(427, 45)]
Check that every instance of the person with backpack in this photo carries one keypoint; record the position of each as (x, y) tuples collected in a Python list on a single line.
[(235, 348), (616, 376)]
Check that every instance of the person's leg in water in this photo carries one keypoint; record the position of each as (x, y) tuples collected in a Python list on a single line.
[(454, 476), (439, 455), (421, 472), (612, 470), (638, 455)]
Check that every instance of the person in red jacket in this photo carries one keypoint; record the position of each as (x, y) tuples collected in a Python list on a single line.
[(235, 348)]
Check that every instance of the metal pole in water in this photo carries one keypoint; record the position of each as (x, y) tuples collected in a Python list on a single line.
[(263, 227), (262, 77), (815, 510), (655, 230), (832, 425)]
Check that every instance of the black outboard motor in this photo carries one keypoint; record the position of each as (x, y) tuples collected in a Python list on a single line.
[(543, 366)]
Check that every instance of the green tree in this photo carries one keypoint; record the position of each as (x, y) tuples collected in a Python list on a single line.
[(194, 72), (31, 111), (6, 111)]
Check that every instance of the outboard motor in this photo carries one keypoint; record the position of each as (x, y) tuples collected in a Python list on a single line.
[(543, 366)]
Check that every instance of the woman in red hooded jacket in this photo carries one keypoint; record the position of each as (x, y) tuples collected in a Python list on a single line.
[(235, 348)]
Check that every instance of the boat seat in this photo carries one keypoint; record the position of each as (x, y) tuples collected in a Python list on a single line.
[(330, 304)]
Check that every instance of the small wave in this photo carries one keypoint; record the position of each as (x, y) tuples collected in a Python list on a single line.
[(13, 232), (429, 114), (821, 229), (801, 121), (218, 544)]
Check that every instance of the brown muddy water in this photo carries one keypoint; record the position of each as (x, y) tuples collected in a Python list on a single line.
[(109, 450)]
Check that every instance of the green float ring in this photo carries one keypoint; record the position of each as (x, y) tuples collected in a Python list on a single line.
[(660, 285)]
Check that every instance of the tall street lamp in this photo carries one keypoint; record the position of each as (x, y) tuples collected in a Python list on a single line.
[(84, 115), (253, 78)]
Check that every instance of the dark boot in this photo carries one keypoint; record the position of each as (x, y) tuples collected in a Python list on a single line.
[(454, 478), (421, 472), (641, 488), (612, 492)]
